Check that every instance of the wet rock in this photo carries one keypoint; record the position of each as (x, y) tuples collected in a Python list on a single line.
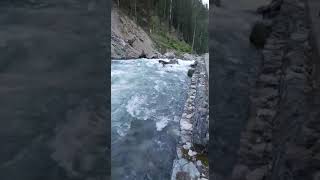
[(190, 72), (171, 61), (194, 64), (192, 153), (189, 116)]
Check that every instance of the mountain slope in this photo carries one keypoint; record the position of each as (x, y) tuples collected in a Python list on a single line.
[(128, 40)]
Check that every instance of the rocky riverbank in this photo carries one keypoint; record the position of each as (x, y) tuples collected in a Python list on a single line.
[(192, 150), (281, 139)]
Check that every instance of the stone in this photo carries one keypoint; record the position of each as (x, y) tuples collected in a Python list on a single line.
[(185, 125), (189, 116), (192, 153), (187, 145), (199, 163), (190, 72)]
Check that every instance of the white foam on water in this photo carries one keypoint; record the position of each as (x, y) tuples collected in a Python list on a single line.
[(162, 122), (117, 73), (160, 85), (133, 105)]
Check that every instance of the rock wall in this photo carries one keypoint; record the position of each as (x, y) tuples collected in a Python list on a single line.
[(281, 139), (192, 152)]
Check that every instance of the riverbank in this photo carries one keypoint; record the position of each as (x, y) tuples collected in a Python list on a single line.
[(192, 149)]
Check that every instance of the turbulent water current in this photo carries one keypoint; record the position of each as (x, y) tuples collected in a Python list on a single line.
[(147, 100)]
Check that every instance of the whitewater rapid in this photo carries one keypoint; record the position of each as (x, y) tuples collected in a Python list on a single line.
[(147, 101)]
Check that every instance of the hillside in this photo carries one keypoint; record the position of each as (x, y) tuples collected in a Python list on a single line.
[(144, 28), (128, 40)]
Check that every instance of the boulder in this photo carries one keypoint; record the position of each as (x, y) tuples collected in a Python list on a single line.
[(190, 72), (172, 61), (194, 64)]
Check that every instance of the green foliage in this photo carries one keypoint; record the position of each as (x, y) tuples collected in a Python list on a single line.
[(166, 41)]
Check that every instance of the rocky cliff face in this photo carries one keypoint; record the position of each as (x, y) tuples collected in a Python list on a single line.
[(128, 40)]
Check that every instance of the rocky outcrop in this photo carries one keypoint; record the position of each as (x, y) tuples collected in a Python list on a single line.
[(282, 133), (128, 40)]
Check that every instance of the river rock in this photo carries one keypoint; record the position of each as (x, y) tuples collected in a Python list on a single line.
[(192, 153), (190, 72)]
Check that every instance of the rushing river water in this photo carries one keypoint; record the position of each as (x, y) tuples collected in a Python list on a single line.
[(147, 101)]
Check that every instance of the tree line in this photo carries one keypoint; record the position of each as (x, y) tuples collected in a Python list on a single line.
[(189, 18)]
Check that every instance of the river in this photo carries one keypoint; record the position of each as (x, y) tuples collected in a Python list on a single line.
[(147, 101)]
